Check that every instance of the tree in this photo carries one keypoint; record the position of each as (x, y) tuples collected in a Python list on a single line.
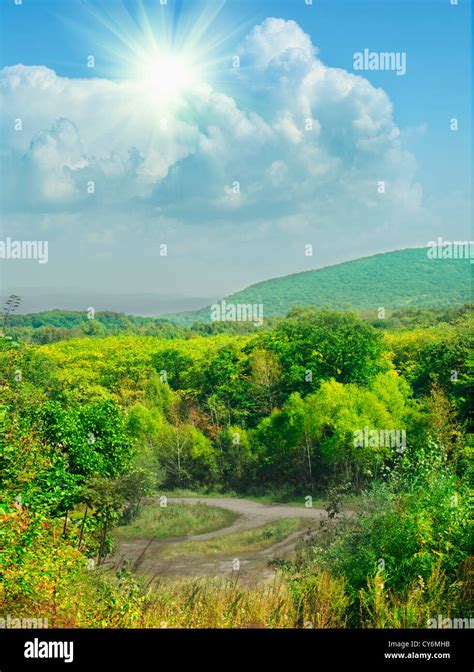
[(315, 345), (178, 453), (187, 456), (440, 355), (237, 462), (93, 328), (91, 435), (11, 305), (312, 440), (266, 373)]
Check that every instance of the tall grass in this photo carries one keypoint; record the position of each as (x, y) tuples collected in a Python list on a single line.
[(176, 520), (422, 601), (77, 598)]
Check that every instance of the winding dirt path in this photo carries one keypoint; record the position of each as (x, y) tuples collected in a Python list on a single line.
[(144, 555)]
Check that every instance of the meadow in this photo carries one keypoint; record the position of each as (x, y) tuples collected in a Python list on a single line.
[(175, 521)]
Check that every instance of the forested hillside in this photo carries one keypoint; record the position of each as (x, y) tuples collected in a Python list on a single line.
[(393, 280)]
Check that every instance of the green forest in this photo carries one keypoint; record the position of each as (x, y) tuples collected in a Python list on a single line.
[(101, 416), (394, 280)]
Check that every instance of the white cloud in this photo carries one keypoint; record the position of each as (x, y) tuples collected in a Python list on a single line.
[(81, 130), (52, 159), (273, 38), (323, 176)]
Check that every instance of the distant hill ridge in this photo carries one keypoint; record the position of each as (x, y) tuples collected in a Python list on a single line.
[(393, 280)]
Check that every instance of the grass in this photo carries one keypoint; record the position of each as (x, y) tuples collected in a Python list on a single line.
[(218, 604), (319, 600), (176, 520), (247, 541)]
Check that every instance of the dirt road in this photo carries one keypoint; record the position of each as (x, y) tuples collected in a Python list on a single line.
[(144, 555)]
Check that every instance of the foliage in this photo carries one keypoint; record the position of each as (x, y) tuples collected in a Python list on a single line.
[(439, 355), (91, 435), (311, 440), (411, 529), (312, 346), (92, 426)]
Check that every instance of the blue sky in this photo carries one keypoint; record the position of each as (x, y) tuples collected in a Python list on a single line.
[(229, 125)]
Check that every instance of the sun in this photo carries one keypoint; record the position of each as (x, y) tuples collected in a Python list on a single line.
[(168, 76), (165, 54)]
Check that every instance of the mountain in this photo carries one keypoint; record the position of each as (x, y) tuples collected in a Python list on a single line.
[(393, 280)]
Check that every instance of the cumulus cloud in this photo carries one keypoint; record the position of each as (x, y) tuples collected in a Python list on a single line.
[(267, 42), (53, 158), (307, 145), (75, 130), (318, 143)]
